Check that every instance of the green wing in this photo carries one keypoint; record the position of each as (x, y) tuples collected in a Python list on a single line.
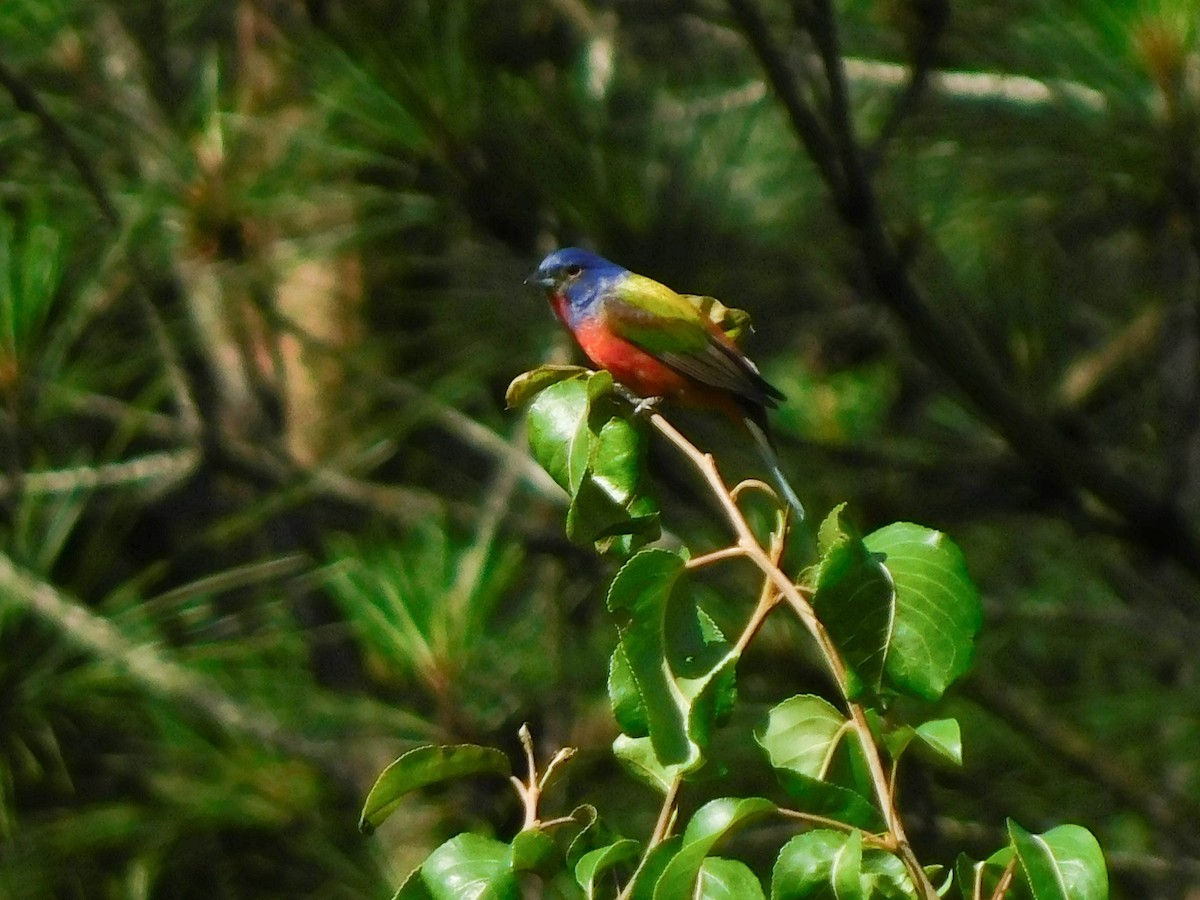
[(678, 329), (655, 318)]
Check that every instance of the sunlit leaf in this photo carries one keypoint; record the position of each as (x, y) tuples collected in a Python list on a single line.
[(855, 600), (726, 879), (591, 834), (832, 865), (627, 706), (587, 443), (710, 824), (846, 869), (423, 766), (802, 733), (558, 431), (640, 592), (938, 611), (525, 385), (533, 850), (885, 877), (673, 658), (413, 888), (802, 737), (597, 863), (471, 867), (638, 757), (1064, 863), (804, 868), (646, 878), (943, 737)]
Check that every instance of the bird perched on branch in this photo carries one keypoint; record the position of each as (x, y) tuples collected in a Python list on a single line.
[(660, 344)]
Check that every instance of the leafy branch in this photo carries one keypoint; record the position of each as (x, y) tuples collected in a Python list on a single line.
[(800, 601), (892, 613)]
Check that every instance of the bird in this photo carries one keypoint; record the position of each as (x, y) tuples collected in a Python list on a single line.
[(659, 344)]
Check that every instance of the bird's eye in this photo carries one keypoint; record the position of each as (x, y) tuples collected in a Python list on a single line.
[(574, 271)]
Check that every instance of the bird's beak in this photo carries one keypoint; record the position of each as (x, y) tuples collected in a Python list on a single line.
[(540, 280)]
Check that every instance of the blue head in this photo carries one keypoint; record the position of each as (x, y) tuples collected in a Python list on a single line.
[(578, 275)]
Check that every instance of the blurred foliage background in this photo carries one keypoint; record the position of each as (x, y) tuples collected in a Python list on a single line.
[(265, 522)]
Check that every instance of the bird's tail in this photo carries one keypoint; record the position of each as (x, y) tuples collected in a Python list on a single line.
[(767, 449)]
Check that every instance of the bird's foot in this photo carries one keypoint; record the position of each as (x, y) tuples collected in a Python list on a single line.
[(646, 405), (641, 405)]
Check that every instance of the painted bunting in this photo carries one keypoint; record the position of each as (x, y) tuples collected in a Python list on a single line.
[(660, 344)]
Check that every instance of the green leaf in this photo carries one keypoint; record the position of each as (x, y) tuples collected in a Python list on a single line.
[(803, 870), (592, 834), (30, 269), (855, 600), (642, 589), (558, 431), (824, 798), (727, 879), (616, 469), (582, 438), (1065, 863), (594, 864), (674, 657), (943, 737), (646, 878), (616, 461), (831, 865), (970, 877), (525, 385), (938, 612), (471, 866), (802, 738), (885, 877), (533, 850), (600, 386), (801, 734), (424, 766), (895, 736), (627, 706), (710, 824), (639, 759), (413, 888), (595, 516), (703, 664), (846, 870), (982, 878)]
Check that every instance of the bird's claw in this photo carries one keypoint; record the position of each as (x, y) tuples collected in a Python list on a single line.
[(646, 405), (641, 405)]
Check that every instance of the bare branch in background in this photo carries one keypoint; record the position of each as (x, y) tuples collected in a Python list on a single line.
[(1154, 521)]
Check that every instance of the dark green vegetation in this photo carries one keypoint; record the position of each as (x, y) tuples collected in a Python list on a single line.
[(266, 523)]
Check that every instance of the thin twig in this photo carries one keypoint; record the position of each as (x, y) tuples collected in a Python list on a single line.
[(1006, 878), (882, 841), (707, 559), (662, 827), (666, 815)]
